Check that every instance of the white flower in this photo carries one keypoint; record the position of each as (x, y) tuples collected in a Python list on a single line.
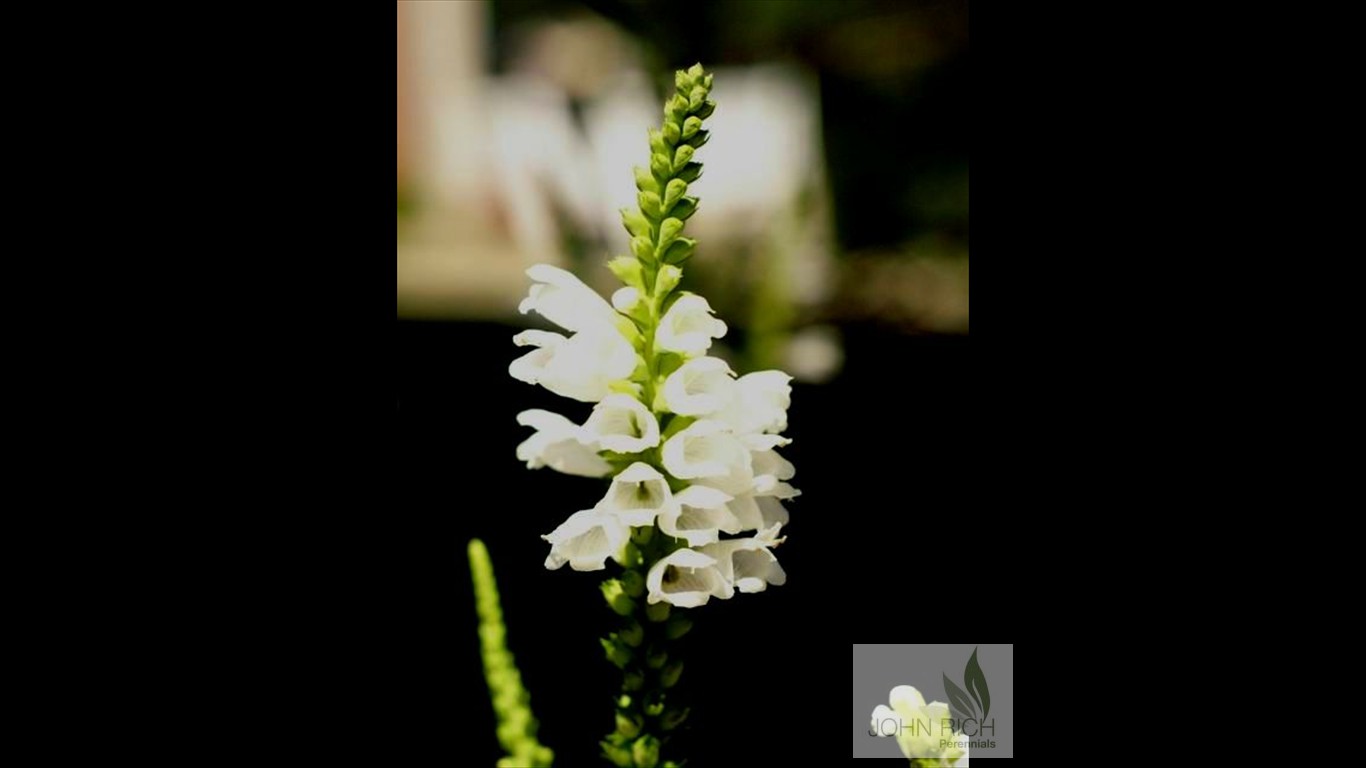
[(769, 467), (700, 387), (919, 728), (564, 300), (559, 444), (581, 367), (623, 424), (761, 403), (748, 564), (688, 327), (686, 579), (698, 515), (585, 541), (637, 495), (761, 508), (708, 450)]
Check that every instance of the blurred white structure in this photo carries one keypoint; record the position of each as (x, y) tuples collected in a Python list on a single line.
[(506, 165)]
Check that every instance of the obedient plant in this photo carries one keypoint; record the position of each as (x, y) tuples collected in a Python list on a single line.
[(694, 503)]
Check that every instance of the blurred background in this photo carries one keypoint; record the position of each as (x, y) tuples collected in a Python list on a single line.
[(833, 239)]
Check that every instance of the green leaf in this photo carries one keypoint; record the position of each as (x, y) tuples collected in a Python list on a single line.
[(700, 139), (976, 683), (684, 209), (962, 706), (706, 109), (690, 173), (680, 251)]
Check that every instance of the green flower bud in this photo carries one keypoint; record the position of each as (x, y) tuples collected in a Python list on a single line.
[(677, 627), (673, 718), (657, 658), (628, 725), (644, 181), (661, 167), (681, 157), (665, 282), (633, 635), (657, 611), (696, 98), (635, 222), (616, 651), (649, 201), (657, 144), (683, 81), (616, 755), (668, 232), (668, 678), (628, 270), (673, 193), (672, 134), (691, 126), (617, 599), (631, 581), (643, 248), (645, 751)]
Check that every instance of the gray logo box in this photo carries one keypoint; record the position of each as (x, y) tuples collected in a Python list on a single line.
[(880, 667)]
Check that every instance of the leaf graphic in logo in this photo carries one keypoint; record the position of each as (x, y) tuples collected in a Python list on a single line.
[(962, 705), (976, 683)]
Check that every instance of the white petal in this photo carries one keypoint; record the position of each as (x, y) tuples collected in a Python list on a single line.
[(685, 578), (688, 327), (698, 515), (637, 495), (707, 450), (563, 299), (584, 366), (907, 701), (585, 541), (560, 445), (623, 424), (880, 713), (625, 299), (700, 387), (770, 463)]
